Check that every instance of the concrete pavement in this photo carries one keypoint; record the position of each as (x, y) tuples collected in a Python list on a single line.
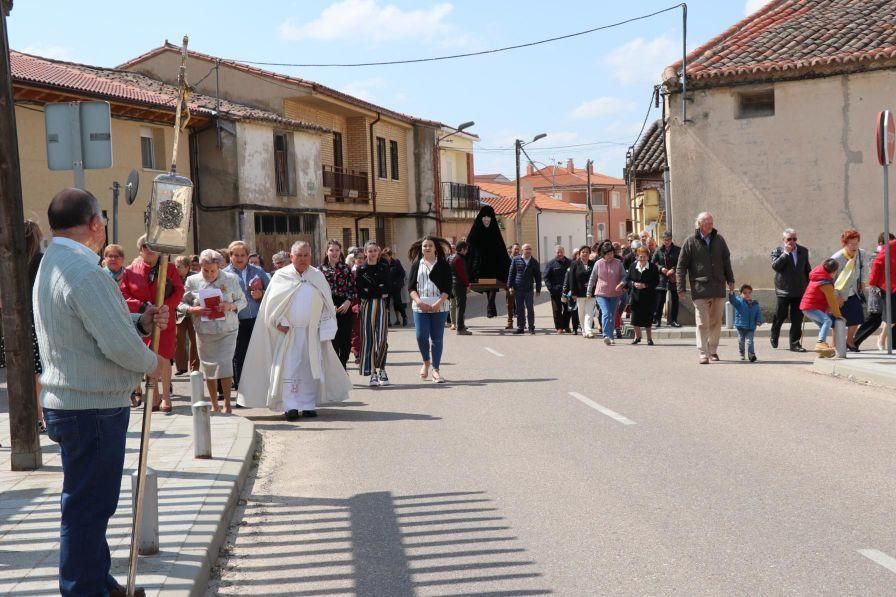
[(553, 464), (196, 498)]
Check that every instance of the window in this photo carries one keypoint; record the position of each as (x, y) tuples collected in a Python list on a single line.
[(337, 150), (622, 232), (615, 199), (755, 104), (600, 231), (281, 165), (393, 158), (381, 157), (346, 238), (363, 236), (152, 148)]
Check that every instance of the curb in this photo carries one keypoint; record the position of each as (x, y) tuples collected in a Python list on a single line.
[(241, 453), (843, 369)]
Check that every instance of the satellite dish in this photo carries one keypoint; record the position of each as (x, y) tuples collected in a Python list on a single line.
[(130, 188)]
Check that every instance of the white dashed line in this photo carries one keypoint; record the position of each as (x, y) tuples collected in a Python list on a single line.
[(879, 557), (602, 409), (493, 351)]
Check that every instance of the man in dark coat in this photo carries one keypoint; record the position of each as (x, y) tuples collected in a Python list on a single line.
[(666, 258), (460, 282), (791, 264), (488, 256), (554, 276), (705, 263), (524, 273)]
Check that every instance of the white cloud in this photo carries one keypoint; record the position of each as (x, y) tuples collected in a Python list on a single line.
[(600, 107), (368, 20), (365, 89), (641, 61), (48, 51), (754, 5)]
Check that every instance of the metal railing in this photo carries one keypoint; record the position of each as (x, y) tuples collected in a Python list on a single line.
[(460, 196), (345, 185)]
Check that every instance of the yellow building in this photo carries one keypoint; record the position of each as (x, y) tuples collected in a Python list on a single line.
[(458, 199)]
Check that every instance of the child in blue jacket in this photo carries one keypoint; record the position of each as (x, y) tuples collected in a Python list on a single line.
[(747, 317)]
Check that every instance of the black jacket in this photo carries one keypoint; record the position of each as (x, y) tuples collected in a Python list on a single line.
[(373, 281), (555, 275), (396, 276), (668, 260), (440, 276), (791, 278), (577, 277), (707, 267), (650, 276), (522, 277)]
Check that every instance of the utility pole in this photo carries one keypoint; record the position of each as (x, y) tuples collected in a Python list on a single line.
[(589, 215), (517, 224), (14, 296)]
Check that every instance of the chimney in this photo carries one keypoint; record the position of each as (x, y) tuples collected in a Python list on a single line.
[(530, 169), (570, 167)]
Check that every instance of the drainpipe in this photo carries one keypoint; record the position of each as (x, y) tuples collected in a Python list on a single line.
[(373, 176)]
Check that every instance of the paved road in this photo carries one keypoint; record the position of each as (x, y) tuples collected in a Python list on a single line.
[(558, 465)]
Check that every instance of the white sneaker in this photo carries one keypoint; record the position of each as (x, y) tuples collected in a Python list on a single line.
[(607, 341), (374, 381), (384, 379)]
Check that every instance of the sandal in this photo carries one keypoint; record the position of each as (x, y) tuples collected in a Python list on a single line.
[(136, 399), (436, 377), (424, 372)]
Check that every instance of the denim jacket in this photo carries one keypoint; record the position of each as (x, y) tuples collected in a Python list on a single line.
[(747, 316)]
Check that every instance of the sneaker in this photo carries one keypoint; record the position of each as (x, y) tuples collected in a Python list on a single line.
[(374, 381), (589, 335), (752, 358), (384, 379), (675, 324), (607, 341), (464, 332), (704, 360)]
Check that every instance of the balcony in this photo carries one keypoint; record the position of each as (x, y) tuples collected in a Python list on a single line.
[(345, 186), (458, 196)]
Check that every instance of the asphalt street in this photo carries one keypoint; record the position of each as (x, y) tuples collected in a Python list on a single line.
[(558, 465)]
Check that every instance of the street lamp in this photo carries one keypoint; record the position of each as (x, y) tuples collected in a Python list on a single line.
[(437, 170), (518, 146)]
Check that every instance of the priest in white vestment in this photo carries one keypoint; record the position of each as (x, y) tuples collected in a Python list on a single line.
[(291, 366)]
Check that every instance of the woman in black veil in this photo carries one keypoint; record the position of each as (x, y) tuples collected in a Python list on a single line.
[(488, 254)]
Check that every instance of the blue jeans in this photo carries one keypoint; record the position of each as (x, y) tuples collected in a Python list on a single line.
[(608, 306), (525, 309), (823, 320), (92, 446), (745, 341), (430, 329)]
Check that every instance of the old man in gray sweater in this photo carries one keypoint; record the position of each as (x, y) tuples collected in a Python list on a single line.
[(93, 357)]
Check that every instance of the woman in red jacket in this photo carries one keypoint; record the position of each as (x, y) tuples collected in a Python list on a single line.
[(138, 285), (877, 282)]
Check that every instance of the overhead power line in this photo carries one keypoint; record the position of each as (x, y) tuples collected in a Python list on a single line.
[(467, 54), (539, 149)]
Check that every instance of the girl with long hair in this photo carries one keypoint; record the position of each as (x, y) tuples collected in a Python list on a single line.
[(429, 287), (342, 288), (33, 253), (372, 285)]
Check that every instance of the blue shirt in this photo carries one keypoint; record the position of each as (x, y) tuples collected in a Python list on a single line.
[(246, 277)]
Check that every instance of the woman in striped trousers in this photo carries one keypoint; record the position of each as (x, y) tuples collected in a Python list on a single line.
[(372, 285)]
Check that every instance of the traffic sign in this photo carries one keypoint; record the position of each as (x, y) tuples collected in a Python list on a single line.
[(886, 137)]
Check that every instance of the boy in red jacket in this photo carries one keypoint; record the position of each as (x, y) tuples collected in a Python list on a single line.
[(820, 302)]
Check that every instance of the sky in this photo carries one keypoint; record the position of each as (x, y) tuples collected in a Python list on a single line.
[(592, 89)]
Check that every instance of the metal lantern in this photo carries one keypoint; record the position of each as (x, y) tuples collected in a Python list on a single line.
[(168, 214)]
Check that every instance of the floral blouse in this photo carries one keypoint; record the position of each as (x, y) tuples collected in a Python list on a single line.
[(340, 279)]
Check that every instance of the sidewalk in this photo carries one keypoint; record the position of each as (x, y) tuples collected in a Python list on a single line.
[(196, 499), (690, 332), (872, 367)]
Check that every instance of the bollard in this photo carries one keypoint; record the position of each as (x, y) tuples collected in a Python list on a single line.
[(840, 338), (729, 315), (148, 532), (197, 387), (202, 430)]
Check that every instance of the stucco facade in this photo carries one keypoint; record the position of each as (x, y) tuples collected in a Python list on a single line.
[(559, 228), (811, 166)]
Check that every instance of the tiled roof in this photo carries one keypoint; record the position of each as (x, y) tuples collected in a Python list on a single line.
[(545, 203), (794, 38), (317, 87), (649, 156), (502, 197), (128, 87), (560, 176)]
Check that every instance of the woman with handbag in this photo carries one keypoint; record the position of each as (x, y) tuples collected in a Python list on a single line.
[(641, 281), (429, 287)]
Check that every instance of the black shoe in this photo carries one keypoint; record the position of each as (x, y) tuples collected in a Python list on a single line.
[(636, 341), (849, 348), (650, 343), (618, 334), (752, 358), (292, 415), (238, 405), (519, 331), (774, 342), (181, 372), (657, 324), (309, 413), (532, 331), (675, 324), (121, 591), (799, 348)]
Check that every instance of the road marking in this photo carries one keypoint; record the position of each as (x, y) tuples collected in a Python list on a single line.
[(602, 409), (879, 557), (493, 351)]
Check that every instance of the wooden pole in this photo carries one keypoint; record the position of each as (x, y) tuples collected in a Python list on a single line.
[(14, 296)]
